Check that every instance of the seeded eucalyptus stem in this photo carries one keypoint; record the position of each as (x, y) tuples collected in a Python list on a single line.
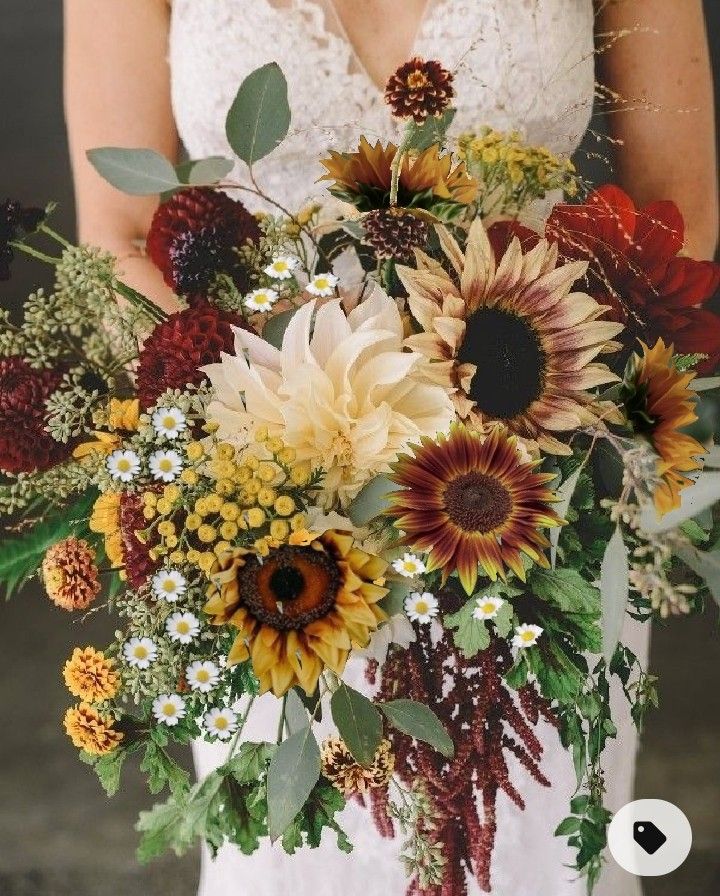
[(34, 253)]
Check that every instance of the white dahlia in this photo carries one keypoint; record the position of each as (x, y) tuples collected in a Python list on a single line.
[(342, 391)]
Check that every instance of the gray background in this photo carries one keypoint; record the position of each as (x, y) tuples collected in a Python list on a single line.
[(58, 833)]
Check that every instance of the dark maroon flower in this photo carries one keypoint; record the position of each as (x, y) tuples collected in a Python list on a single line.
[(139, 565), (394, 233), (180, 345), (502, 233), (25, 446), (195, 235), (419, 89)]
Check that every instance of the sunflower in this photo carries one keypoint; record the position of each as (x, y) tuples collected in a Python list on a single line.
[(363, 178), (511, 339), (471, 501), (300, 609), (659, 404)]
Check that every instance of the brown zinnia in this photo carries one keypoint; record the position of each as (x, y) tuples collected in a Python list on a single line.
[(419, 89), (471, 501), (70, 574), (341, 769)]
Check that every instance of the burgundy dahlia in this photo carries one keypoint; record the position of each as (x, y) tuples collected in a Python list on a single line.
[(194, 235), (15, 221), (180, 345), (419, 89), (25, 446)]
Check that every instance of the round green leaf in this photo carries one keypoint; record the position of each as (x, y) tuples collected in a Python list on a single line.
[(210, 171), (359, 723), (259, 117), (139, 172), (420, 722)]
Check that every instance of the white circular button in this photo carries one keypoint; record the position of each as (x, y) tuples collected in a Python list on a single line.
[(650, 837)]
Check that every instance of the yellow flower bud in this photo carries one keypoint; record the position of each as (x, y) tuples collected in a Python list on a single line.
[(298, 522), (171, 493), (279, 529), (225, 487), (229, 529), (148, 512), (193, 521), (171, 541), (262, 547), (193, 556), (229, 511), (166, 528), (177, 557), (251, 462), (201, 507), (267, 472), (164, 506), (287, 456), (284, 505), (253, 486), (255, 517), (189, 477), (221, 548), (300, 474), (226, 451), (275, 445), (194, 451), (150, 499), (266, 497), (207, 534), (243, 475), (206, 561), (261, 434), (213, 503)]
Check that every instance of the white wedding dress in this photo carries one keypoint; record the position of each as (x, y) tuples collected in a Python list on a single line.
[(519, 64)]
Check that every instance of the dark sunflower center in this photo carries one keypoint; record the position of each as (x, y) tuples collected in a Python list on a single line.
[(291, 588), (510, 362), (476, 502), (287, 583)]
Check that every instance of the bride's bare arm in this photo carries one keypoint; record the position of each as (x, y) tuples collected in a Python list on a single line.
[(668, 153), (117, 93)]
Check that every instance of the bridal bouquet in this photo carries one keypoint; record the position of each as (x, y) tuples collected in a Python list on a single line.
[(410, 431)]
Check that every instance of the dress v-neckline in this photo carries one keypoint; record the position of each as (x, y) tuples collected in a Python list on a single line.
[(344, 35)]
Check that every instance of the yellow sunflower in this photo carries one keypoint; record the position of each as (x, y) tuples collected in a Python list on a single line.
[(364, 177), (472, 502), (299, 609), (510, 339), (659, 406)]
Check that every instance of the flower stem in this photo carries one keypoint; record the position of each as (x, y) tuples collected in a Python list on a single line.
[(281, 723), (34, 253)]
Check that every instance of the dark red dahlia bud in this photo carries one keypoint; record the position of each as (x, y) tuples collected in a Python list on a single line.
[(394, 233), (180, 345), (139, 565), (25, 446), (195, 235), (15, 221), (419, 89)]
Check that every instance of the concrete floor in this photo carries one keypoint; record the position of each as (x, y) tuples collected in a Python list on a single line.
[(59, 835)]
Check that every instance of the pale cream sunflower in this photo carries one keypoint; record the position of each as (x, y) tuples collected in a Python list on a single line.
[(510, 338)]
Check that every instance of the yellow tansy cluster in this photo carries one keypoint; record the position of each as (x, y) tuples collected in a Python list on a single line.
[(512, 172), (225, 498), (90, 676)]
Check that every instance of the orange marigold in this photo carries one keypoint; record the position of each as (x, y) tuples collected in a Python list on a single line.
[(70, 574), (90, 731), (90, 676)]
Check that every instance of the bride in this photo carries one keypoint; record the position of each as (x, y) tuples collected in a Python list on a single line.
[(149, 73)]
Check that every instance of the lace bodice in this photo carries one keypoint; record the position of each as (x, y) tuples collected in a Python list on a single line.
[(519, 64)]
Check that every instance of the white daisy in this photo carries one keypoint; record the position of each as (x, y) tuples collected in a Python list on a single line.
[(183, 627), (165, 465), (409, 565), (140, 652), (169, 422), (322, 285), (169, 585), (220, 722), (168, 709), (281, 267), (487, 607), (526, 635), (421, 606), (261, 299), (123, 465), (202, 676)]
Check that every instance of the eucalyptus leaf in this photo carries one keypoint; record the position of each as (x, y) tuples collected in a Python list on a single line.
[(371, 501), (614, 591), (293, 772), (431, 132), (358, 722), (139, 172), (274, 329), (704, 384), (259, 117), (296, 715), (564, 495), (420, 722), (705, 564), (210, 171), (694, 499)]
